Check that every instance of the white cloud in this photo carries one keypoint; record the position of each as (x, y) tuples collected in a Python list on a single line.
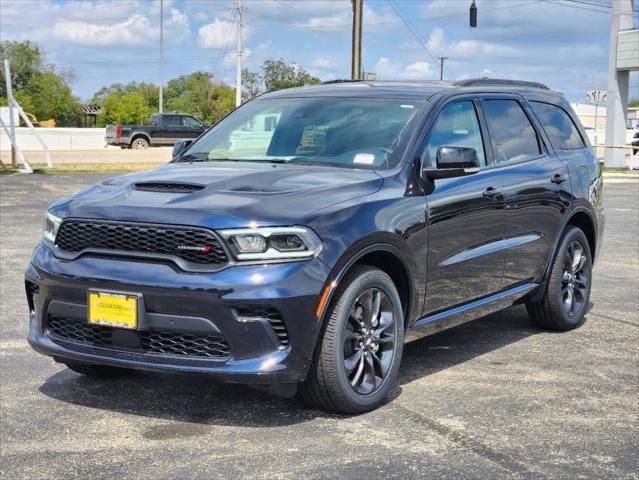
[(389, 70), (464, 49), (417, 70), (133, 31), (84, 27), (323, 63), (217, 34)]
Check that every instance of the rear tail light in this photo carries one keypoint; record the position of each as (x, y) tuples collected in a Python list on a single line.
[(118, 132)]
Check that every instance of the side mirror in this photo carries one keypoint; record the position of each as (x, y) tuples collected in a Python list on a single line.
[(454, 162), (181, 145)]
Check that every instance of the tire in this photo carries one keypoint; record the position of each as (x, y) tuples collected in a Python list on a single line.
[(98, 371), (140, 143), (357, 362), (565, 302)]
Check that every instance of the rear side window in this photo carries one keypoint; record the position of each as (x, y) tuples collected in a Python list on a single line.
[(559, 126), (514, 137), (172, 120)]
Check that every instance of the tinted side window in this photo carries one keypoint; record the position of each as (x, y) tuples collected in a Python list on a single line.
[(558, 125), (513, 135), (457, 126), (191, 122), (172, 121)]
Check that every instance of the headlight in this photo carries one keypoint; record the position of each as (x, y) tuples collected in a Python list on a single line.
[(51, 226), (272, 243)]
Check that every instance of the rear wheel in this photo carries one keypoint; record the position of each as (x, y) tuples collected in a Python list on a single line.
[(360, 350), (140, 144), (98, 371), (565, 301)]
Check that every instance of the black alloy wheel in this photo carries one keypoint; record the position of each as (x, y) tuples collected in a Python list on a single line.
[(564, 303), (369, 341), (360, 348)]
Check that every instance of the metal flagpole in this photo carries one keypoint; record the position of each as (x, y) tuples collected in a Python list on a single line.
[(12, 126), (238, 72), (161, 55)]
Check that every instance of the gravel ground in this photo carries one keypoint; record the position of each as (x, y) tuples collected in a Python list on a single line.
[(495, 398)]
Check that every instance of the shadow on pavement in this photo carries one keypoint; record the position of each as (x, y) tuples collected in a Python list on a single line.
[(202, 401)]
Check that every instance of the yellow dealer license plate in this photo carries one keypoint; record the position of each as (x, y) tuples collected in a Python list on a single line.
[(113, 309)]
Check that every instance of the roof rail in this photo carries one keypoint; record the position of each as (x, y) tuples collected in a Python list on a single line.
[(344, 80), (486, 82)]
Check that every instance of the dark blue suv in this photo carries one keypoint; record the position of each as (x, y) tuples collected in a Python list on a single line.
[(295, 243)]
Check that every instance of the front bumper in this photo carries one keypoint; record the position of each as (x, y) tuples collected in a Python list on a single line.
[(56, 286)]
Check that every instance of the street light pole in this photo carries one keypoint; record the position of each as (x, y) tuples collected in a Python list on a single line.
[(161, 55), (238, 72)]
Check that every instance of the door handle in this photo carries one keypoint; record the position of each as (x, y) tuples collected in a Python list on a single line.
[(492, 192), (557, 179)]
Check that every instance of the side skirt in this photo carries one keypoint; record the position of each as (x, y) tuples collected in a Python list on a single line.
[(452, 317)]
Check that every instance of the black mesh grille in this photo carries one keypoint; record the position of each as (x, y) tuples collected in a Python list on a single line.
[(191, 244), (160, 342), (268, 313), (168, 187)]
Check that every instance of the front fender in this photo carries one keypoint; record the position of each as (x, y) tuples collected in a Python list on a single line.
[(387, 243)]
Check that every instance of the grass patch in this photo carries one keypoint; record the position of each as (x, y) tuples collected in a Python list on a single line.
[(618, 170), (87, 168)]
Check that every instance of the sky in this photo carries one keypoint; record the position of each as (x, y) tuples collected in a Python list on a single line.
[(562, 43)]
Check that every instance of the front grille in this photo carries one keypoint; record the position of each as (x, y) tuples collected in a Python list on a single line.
[(193, 245), (268, 313), (155, 342), (168, 187)]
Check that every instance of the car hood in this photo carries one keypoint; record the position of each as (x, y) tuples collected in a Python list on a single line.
[(233, 194)]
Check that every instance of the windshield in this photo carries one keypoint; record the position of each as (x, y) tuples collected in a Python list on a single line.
[(354, 132)]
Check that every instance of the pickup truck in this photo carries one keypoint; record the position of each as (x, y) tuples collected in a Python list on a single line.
[(163, 129)]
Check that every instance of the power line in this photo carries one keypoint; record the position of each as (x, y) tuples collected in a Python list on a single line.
[(174, 13), (348, 26), (147, 61), (584, 2), (579, 7), (413, 30)]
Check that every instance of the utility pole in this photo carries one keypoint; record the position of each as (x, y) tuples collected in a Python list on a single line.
[(161, 55), (441, 66), (356, 64), (238, 72)]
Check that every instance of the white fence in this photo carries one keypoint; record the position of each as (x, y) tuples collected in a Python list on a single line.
[(57, 139)]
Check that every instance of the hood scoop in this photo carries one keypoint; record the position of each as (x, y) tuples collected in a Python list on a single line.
[(168, 187)]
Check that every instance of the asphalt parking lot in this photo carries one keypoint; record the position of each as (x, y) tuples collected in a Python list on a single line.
[(495, 398)]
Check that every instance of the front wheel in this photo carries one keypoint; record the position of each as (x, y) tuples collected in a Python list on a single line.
[(565, 301), (360, 350)]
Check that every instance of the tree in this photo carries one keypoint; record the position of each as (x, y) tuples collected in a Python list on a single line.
[(49, 96), (278, 75), (634, 103), (113, 89), (251, 84), (130, 108), (200, 95), (25, 58), (37, 87)]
